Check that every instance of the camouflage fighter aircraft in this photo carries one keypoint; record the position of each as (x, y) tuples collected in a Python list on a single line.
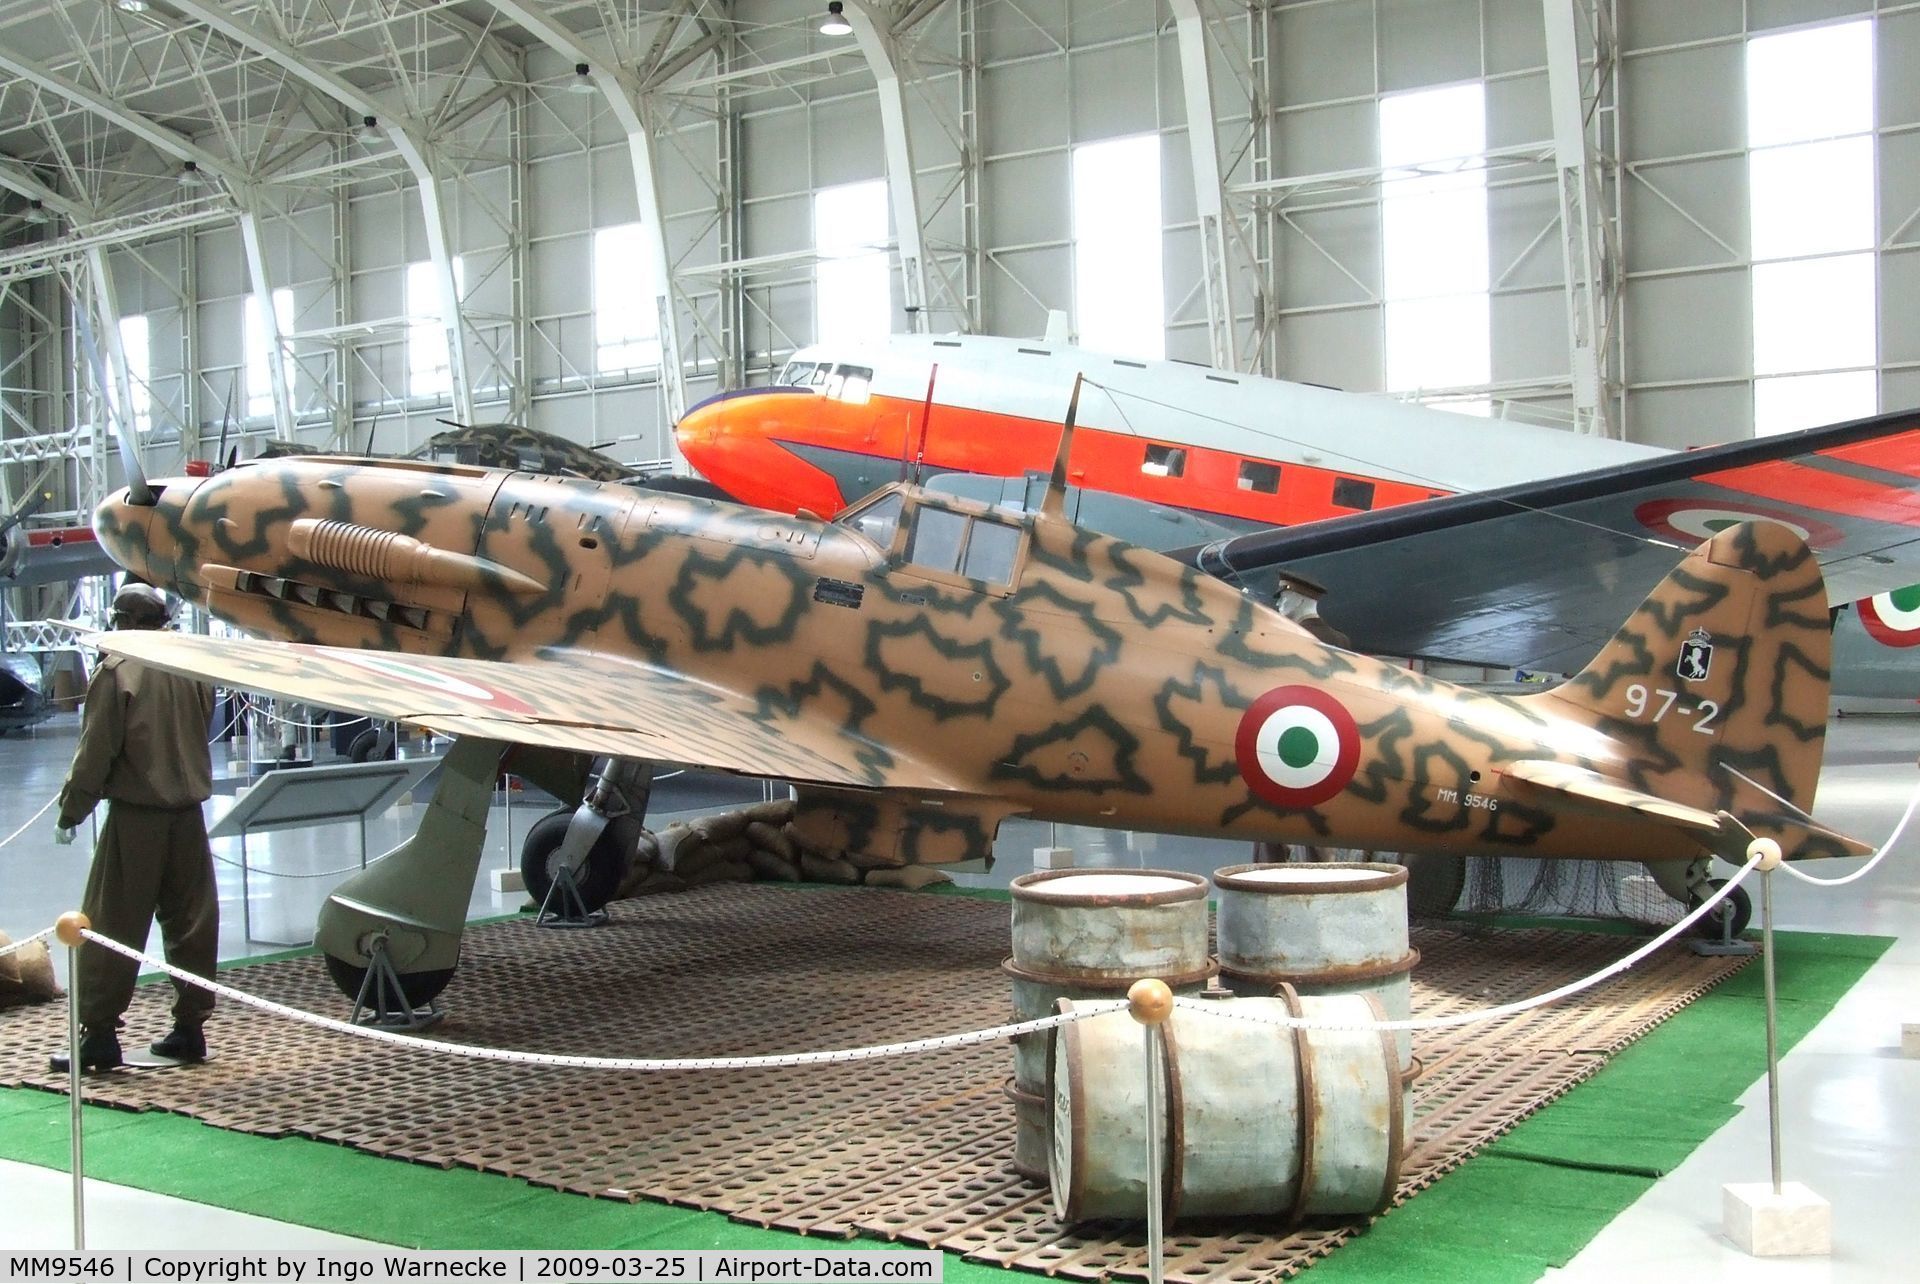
[(925, 666)]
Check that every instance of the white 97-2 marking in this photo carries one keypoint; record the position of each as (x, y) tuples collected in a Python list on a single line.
[(1638, 698)]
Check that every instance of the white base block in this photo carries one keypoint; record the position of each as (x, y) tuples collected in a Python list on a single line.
[(1794, 1223), (1910, 1039), (1053, 858), (507, 880)]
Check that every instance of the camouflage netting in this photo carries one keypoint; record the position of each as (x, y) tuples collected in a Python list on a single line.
[(26, 975), (756, 843), (1571, 888)]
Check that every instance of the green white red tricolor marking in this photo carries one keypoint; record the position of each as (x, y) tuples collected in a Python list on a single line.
[(1893, 619), (391, 668), (1297, 746)]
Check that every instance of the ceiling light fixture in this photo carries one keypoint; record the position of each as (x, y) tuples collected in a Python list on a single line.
[(836, 23), (132, 6), (37, 213), (581, 82), (368, 130), (190, 175)]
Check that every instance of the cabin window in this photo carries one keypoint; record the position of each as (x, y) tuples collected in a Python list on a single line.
[(1164, 461), (991, 548), (1258, 476), (878, 520), (937, 538), (1348, 493)]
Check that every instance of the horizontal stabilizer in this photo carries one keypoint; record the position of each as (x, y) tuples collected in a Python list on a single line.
[(1605, 792)]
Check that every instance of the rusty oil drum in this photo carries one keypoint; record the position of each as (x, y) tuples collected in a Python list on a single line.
[(1089, 934), (1260, 1119), (1323, 928)]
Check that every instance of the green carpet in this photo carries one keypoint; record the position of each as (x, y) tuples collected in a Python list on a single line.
[(1529, 1202)]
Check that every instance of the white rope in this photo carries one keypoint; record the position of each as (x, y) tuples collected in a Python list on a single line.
[(17, 946), (1877, 857), (908, 1048), (1506, 1009), (29, 825)]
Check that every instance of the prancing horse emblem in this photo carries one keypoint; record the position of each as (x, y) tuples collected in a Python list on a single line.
[(1696, 657)]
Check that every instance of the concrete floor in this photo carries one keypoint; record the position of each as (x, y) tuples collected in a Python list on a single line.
[(1851, 1102)]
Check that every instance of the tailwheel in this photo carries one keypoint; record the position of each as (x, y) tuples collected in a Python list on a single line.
[(598, 878), (1730, 919)]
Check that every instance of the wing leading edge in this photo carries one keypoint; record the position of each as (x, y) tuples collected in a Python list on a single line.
[(587, 703)]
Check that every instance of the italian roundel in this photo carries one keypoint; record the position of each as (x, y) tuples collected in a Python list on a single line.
[(1297, 746), (1893, 618)]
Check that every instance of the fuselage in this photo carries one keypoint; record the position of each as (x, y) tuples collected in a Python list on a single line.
[(1019, 658)]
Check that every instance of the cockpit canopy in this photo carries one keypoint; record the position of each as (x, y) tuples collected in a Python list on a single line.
[(950, 541)]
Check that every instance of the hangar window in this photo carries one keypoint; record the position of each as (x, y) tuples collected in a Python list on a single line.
[(852, 299), (626, 321), (1164, 461), (1810, 121), (429, 366), (1258, 476), (1119, 299), (1433, 212), (1348, 493), (136, 346), (260, 350)]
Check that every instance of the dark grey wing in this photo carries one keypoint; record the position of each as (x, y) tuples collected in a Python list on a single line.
[(1539, 575)]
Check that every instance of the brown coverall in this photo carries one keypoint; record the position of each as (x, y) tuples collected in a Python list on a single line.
[(143, 748)]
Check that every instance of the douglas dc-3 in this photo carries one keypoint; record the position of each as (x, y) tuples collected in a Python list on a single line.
[(925, 666), (1171, 455)]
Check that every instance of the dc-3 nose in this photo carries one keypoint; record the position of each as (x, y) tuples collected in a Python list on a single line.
[(146, 538)]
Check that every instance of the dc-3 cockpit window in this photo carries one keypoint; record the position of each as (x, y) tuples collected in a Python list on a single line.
[(850, 384), (877, 521), (798, 374)]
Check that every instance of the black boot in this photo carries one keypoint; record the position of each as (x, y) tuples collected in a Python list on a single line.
[(99, 1050), (183, 1043)]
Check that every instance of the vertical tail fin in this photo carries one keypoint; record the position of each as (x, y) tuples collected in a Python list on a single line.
[(1718, 683)]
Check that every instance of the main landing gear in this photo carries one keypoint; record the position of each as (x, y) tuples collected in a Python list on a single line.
[(573, 862)]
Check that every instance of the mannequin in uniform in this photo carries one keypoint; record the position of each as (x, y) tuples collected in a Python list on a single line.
[(143, 749)]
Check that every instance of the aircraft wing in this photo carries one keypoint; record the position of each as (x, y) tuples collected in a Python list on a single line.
[(1540, 574), (564, 700), (54, 556)]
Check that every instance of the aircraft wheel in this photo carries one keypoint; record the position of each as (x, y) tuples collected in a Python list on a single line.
[(420, 988), (606, 865), (1739, 905), (365, 745)]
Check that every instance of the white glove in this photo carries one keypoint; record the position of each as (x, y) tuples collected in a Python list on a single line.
[(62, 837)]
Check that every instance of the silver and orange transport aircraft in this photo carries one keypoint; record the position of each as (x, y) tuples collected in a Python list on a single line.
[(925, 666)]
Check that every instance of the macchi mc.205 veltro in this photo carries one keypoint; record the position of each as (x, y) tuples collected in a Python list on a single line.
[(923, 667)]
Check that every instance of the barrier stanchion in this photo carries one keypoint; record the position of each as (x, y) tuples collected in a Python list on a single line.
[(1150, 1002), (1773, 1036), (71, 930)]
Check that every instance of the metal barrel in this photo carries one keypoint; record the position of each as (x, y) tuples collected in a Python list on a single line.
[(1089, 934), (1261, 1119), (1323, 928)]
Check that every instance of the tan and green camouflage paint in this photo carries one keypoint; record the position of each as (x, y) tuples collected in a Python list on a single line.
[(1105, 685)]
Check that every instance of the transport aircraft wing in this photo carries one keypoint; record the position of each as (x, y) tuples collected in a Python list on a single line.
[(563, 700), (1538, 574)]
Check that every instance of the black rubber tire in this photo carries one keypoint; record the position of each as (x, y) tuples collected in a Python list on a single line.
[(1740, 904), (363, 747), (420, 988), (607, 862)]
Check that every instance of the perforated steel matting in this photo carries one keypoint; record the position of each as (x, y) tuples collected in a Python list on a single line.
[(915, 1149)]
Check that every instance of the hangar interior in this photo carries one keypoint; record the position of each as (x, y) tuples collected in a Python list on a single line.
[(342, 223)]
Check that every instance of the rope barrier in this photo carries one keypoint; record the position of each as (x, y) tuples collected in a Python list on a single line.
[(646, 1064), (23, 943), (44, 808), (1877, 857)]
